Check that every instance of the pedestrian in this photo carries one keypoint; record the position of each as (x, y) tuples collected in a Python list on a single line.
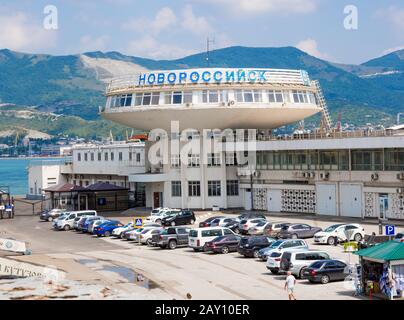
[(290, 285)]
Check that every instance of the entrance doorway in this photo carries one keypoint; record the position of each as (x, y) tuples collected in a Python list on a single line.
[(383, 205), (157, 199)]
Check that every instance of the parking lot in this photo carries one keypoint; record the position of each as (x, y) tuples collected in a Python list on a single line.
[(178, 273)]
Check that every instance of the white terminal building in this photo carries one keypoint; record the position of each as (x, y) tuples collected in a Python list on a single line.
[(197, 157)]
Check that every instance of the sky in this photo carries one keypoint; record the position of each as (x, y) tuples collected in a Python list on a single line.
[(168, 29)]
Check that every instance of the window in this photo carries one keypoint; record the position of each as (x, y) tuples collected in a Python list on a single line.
[(137, 157), (214, 188), (394, 159), (232, 187), (85, 157), (146, 98), (155, 99), (300, 96), (99, 156), (176, 188), (187, 97), (79, 156), (175, 161), (214, 159), (120, 156), (92, 156), (193, 160), (138, 99), (177, 97), (227, 232), (211, 233), (231, 159), (194, 188), (112, 156), (106, 156), (275, 96)]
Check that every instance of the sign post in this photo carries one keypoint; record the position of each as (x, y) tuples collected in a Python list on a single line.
[(390, 230), (138, 223)]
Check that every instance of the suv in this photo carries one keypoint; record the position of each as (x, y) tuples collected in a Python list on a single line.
[(250, 246), (341, 232), (297, 260), (246, 224), (280, 245), (157, 214), (180, 218), (171, 237)]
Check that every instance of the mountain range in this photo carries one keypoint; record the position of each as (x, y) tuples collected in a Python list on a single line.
[(73, 85)]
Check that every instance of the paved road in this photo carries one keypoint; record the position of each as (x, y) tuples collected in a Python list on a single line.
[(176, 272)]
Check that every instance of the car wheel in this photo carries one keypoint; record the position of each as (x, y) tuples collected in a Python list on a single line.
[(331, 241), (325, 279), (66, 228), (149, 242), (256, 253), (107, 233), (50, 219), (172, 244), (274, 271), (173, 223), (301, 273), (358, 237), (225, 250), (294, 236), (196, 249), (163, 246), (192, 221), (158, 221), (98, 235)]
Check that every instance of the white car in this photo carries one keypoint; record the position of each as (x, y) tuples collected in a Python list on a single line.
[(160, 214), (199, 236), (117, 232), (221, 221), (273, 256), (67, 222), (245, 225), (259, 228), (343, 232), (131, 233), (147, 234)]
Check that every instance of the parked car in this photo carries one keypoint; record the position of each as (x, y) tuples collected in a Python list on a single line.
[(172, 237), (105, 229), (272, 229), (250, 215), (178, 219), (95, 223), (62, 216), (280, 245), (325, 271), (146, 234), (131, 232), (246, 224), (233, 225), (118, 231), (51, 214), (250, 246), (66, 222), (399, 237), (298, 230), (157, 214), (343, 232), (199, 236), (221, 222), (258, 229), (223, 244), (297, 260), (274, 256), (208, 221)]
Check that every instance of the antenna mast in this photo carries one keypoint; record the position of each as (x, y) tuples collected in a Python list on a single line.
[(208, 43)]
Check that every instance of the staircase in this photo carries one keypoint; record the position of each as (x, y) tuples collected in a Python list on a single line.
[(323, 105)]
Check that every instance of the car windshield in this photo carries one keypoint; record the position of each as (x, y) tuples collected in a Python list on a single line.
[(276, 244), (332, 228), (316, 265)]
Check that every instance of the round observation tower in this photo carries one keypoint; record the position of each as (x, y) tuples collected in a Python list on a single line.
[(211, 98)]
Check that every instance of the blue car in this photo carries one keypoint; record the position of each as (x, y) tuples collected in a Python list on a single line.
[(86, 223), (105, 229)]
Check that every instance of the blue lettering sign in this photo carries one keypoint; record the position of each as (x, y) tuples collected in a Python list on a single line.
[(218, 76), (240, 75), (160, 78), (229, 76), (262, 76), (204, 76), (194, 76), (171, 77), (151, 78), (142, 79), (252, 76), (183, 76)]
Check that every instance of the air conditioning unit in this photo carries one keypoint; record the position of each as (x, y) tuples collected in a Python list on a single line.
[(400, 176), (231, 103), (324, 175), (374, 176), (223, 104), (188, 104), (256, 174)]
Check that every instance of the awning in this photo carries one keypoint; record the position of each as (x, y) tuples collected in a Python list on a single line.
[(387, 251)]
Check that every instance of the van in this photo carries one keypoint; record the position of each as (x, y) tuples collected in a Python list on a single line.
[(199, 236), (297, 260), (67, 222)]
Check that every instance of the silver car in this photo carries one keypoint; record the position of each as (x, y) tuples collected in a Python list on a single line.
[(297, 260)]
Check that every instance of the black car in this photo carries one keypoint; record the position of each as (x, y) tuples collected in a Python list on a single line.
[(223, 244), (250, 246), (326, 271), (181, 218), (233, 225), (208, 221)]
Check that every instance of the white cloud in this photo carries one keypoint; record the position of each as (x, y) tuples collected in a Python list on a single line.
[(390, 50), (148, 46), (18, 32), (310, 46), (89, 43), (395, 15), (264, 6), (164, 19), (194, 24)]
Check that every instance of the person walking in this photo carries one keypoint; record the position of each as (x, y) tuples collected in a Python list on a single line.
[(290, 285)]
